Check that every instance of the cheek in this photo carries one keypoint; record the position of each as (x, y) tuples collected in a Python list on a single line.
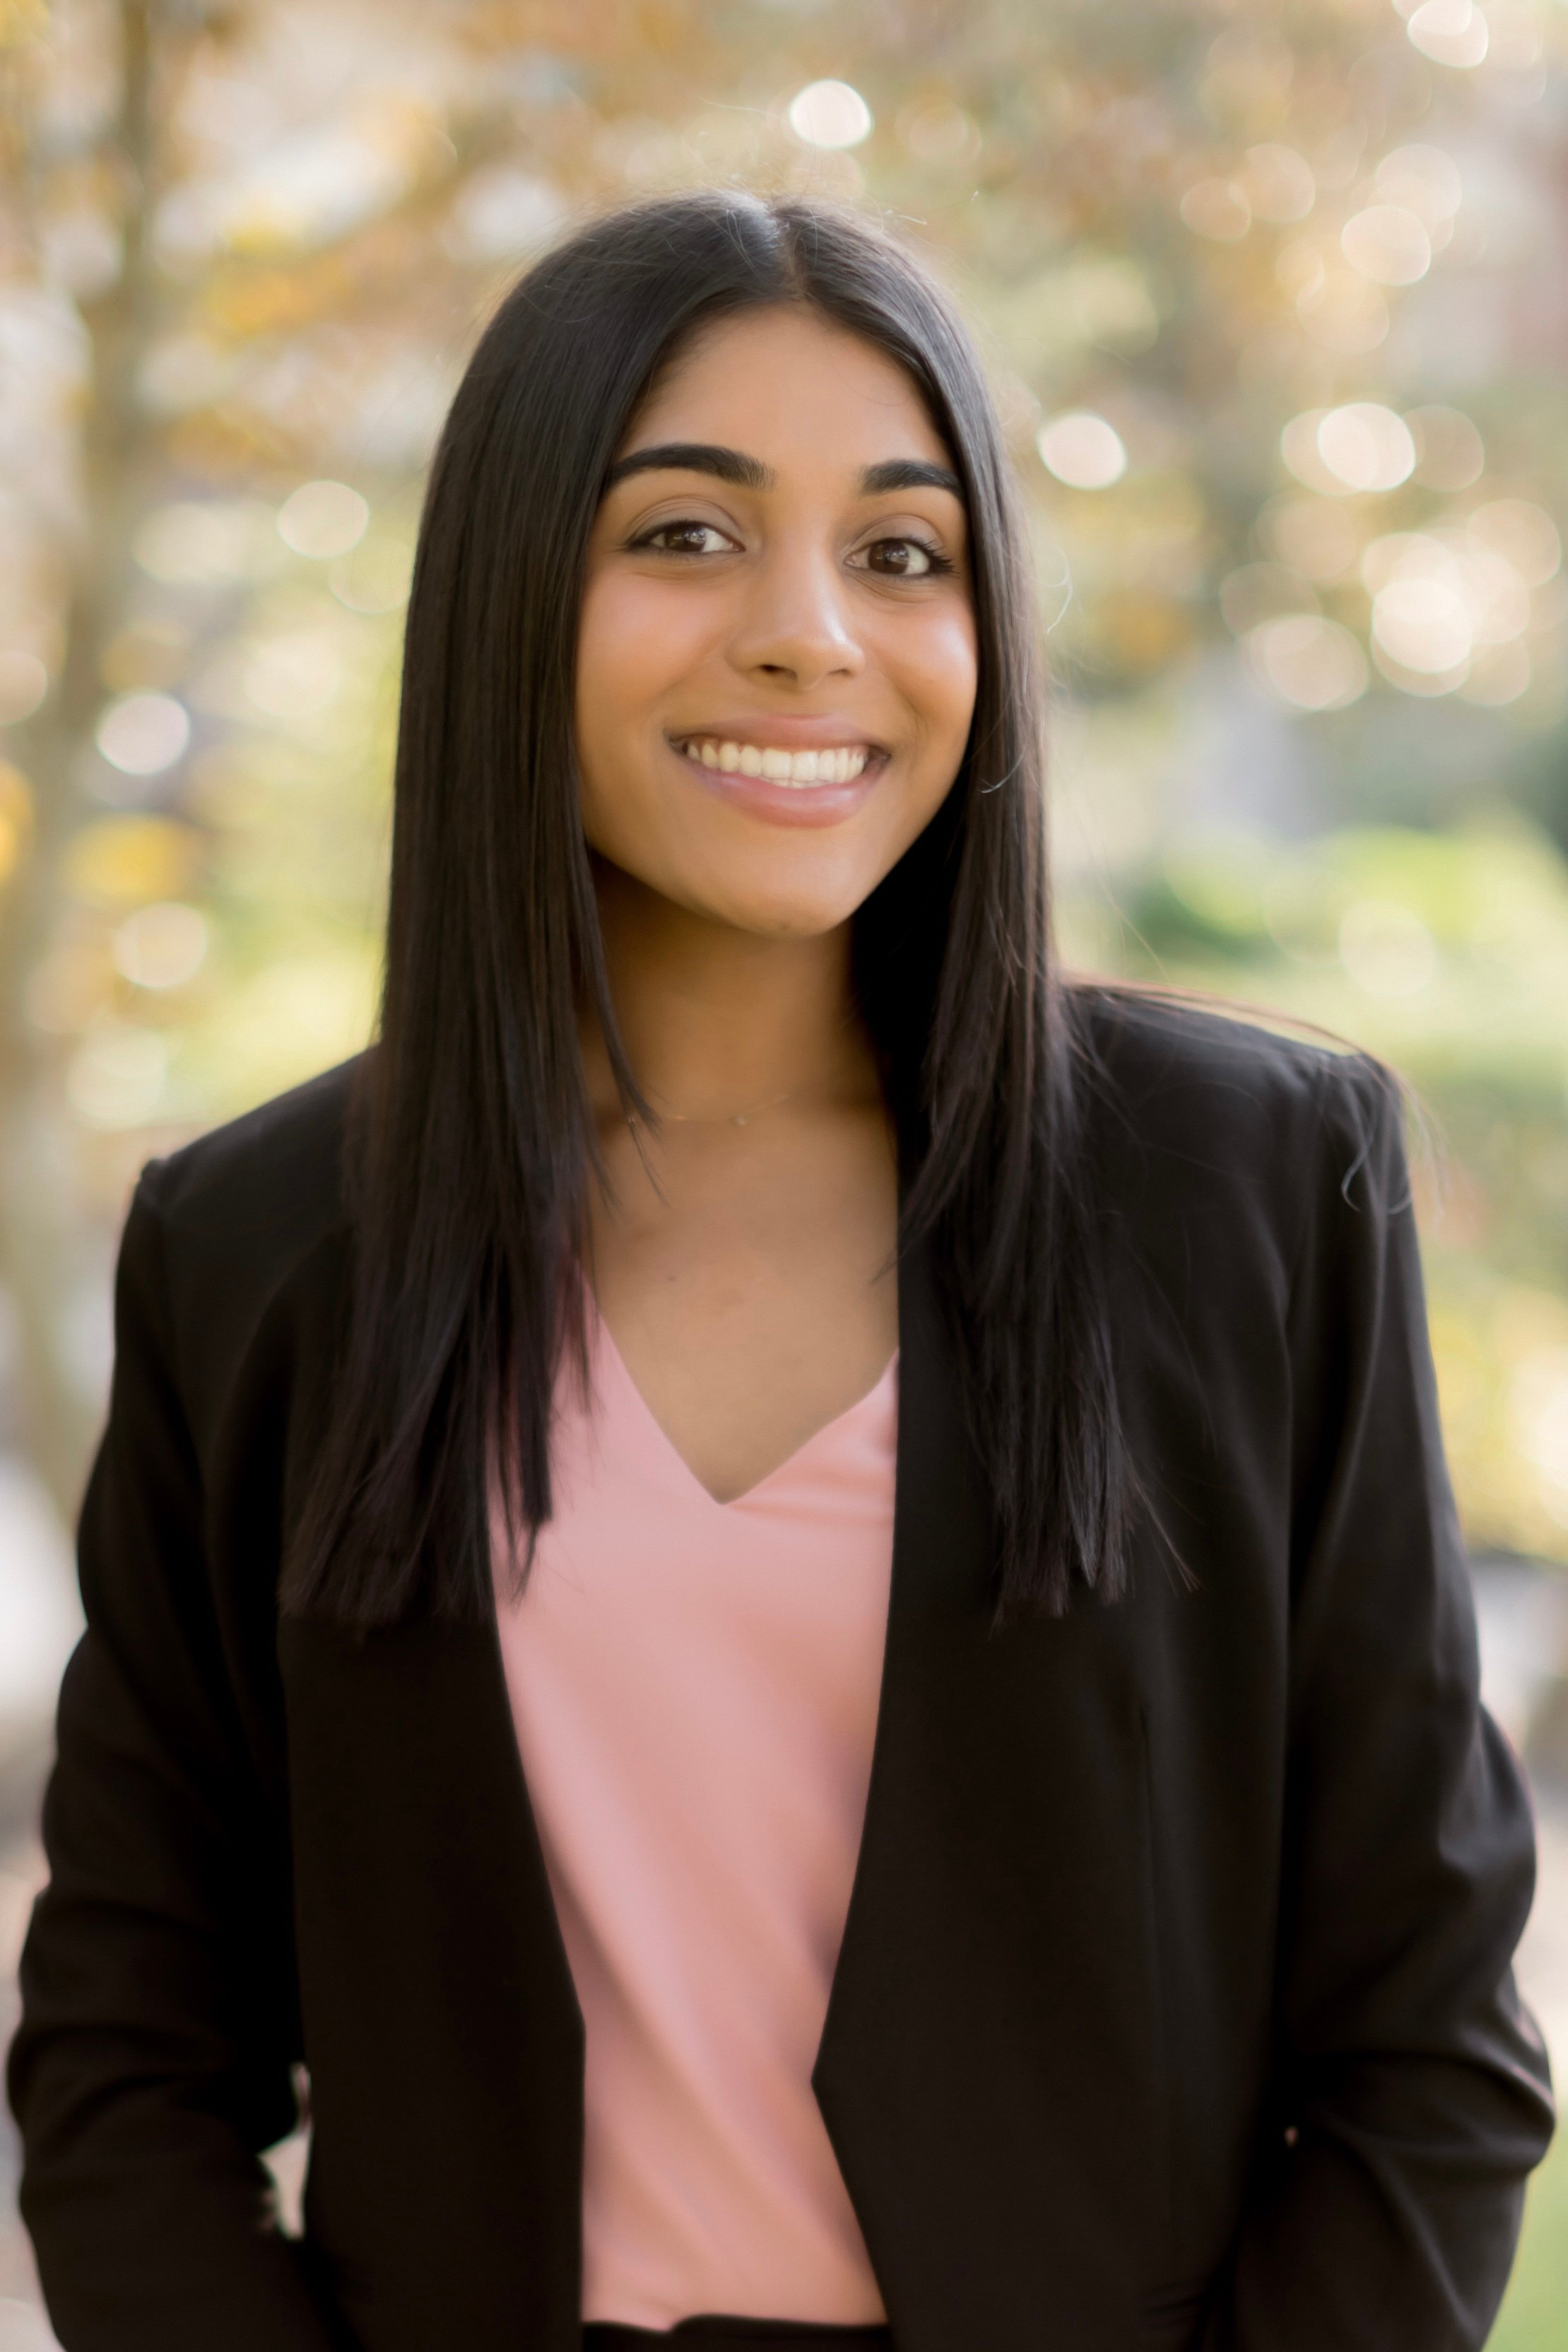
[(936, 670), (636, 642), (618, 670)]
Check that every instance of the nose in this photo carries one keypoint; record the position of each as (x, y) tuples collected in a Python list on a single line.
[(795, 627)]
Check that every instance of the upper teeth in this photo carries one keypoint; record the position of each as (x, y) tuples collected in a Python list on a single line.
[(840, 766)]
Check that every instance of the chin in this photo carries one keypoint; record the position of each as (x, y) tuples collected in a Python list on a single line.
[(774, 895), (776, 916)]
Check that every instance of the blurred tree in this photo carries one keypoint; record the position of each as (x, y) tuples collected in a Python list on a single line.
[(81, 170)]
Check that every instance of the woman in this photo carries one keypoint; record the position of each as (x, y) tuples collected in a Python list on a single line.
[(782, 1595)]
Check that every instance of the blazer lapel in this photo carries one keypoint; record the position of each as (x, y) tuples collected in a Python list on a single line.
[(990, 2069)]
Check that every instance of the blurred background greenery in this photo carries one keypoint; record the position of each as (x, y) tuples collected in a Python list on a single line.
[(1275, 298)]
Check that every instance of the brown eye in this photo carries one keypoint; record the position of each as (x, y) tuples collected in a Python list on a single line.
[(684, 539), (905, 559)]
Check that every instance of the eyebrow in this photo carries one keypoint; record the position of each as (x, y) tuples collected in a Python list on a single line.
[(910, 474), (751, 474)]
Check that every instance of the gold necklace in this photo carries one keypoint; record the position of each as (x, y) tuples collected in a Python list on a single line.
[(724, 1118)]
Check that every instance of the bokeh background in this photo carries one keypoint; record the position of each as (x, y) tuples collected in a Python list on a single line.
[(1275, 298)]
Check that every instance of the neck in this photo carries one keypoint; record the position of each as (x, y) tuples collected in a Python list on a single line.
[(716, 1020)]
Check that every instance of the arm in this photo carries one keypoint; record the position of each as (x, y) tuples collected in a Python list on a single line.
[(1412, 2086), (152, 2061)]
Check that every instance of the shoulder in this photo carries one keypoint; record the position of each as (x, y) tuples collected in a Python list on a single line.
[(280, 1162), (219, 1230), (1178, 1061), (1194, 1112), (276, 1171)]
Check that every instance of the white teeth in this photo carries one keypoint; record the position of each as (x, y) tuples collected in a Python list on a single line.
[(840, 766)]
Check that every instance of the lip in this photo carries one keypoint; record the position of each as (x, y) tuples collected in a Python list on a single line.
[(776, 804)]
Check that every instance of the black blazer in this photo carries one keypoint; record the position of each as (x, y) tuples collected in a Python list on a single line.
[(1174, 2005)]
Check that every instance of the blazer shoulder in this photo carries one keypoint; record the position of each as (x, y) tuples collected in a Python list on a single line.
[(222, 1227), (1218, 1100), (278, 1170)]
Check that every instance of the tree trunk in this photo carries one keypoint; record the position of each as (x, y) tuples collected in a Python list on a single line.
[(40, 1220)]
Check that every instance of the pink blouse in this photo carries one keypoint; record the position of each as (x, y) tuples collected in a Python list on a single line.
[(695, 1686)]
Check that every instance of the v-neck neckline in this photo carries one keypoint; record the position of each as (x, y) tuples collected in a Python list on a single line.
[(607, 1348)]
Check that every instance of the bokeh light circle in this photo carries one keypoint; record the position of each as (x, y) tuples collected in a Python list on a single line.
[(830, 114), (1387, 244), (1366, 446), (1082, 450), (322, 520), (161, 946), (1308, 662), (143, 734)]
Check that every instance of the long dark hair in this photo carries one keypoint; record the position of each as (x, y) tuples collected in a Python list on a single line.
[(472, 1142)]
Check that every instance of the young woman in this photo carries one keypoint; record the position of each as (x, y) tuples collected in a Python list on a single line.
[(782, 1595)]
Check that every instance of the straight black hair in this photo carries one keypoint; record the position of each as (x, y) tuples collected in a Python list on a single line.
[(471, 1144)]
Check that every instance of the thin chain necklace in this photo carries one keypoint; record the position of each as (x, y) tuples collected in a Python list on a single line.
[(722, 1118)]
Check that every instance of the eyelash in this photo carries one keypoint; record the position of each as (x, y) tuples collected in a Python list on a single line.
[(940, 565)]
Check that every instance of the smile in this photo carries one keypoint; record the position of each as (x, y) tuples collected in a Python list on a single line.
[(836, 764)]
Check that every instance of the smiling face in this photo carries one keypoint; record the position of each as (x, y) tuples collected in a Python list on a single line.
[(776, 660)]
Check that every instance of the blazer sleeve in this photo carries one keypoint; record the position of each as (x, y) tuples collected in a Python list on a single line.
[(153, 2056), (1414, 2092)]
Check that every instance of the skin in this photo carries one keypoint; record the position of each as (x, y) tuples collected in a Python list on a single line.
[(745, 1271)]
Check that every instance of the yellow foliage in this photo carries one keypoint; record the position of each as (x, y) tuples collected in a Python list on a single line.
[(21, 20), (245, 300), (131, 861), (15, 818)]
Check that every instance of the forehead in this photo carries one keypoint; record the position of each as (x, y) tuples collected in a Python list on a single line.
[(789, 387)]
